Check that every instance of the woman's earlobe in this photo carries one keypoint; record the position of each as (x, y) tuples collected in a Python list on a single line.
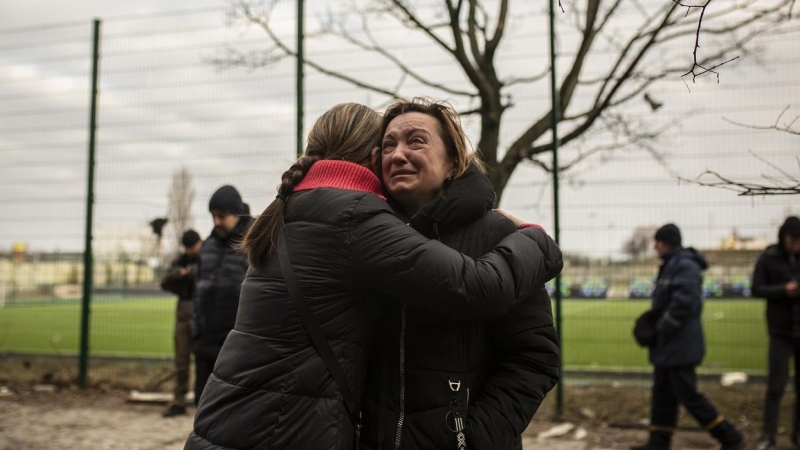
[(373, 157)]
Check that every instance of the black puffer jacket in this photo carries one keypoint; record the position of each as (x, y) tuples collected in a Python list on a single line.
[(504, 367), (182, 286), (679, 293), (270, 389), (775, 268), (220, 275)]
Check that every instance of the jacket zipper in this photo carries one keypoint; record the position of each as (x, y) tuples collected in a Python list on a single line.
[(402, 417)]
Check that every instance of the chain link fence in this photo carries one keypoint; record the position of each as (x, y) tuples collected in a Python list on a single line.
[(182, 110)]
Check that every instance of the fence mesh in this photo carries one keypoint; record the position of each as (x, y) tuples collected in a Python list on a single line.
[(180, 96)]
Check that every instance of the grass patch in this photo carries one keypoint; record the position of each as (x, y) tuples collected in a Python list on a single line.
[(596, 333), (599, 334), (139, 327)]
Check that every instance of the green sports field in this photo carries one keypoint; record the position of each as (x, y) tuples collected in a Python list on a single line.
[(119, 327), (596, 333)]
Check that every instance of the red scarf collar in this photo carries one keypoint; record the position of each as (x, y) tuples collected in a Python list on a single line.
[(341, 175)]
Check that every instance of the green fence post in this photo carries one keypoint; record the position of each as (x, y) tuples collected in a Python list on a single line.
[(300, 38), (83, 361), (555, 109)]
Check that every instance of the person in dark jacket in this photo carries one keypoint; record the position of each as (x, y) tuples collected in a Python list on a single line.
[(680, 346), (430, 369), (775, 278), (219, 280), (271, 389), (180, 280)]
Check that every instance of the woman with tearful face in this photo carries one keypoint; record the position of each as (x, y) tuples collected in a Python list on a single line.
[(438, 382)]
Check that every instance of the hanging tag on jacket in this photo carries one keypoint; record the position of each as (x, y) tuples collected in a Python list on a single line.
[(459, 416)]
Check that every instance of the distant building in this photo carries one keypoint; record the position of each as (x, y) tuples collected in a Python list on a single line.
[(736, 242)]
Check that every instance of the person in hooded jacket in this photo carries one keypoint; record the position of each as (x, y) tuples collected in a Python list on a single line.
[(680, 346), (775, 278), (430, 369), (352, 256), (221, 270)]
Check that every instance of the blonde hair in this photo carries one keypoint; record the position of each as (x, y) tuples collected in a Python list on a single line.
[(346, 132)]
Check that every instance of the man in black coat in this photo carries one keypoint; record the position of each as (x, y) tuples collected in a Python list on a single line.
[(221, 272), (680, 347), (180, 280), (775, 278)]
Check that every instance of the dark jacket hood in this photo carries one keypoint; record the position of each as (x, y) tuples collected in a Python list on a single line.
[(689, 253), (696, 256), (465, 199), (792, 223)]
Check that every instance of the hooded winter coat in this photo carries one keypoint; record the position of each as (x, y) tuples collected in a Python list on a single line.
[(776, 267), (270, 389), (679, 292), (503, 367)]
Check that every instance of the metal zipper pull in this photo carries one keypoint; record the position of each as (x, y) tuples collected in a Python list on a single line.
[(458, 414)]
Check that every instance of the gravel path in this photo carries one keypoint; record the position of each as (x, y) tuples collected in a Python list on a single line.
[(104, 420), (61, 420)]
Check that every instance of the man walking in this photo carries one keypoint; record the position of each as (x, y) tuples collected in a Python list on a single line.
[(222, 270), (181, 281), (775, 278), (680, 346)]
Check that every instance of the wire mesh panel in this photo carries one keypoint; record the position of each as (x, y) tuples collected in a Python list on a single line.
[(192, 100), (173, 126), (44, 98)]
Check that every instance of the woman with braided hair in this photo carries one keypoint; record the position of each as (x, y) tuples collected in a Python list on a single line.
[(274, 386)]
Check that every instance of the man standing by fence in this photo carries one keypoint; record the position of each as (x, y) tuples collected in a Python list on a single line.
[(222, 270), (181, 281), (679, 346), (776, 278)]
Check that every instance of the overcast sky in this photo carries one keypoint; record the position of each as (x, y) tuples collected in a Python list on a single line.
[(37, 12), (164, 106)]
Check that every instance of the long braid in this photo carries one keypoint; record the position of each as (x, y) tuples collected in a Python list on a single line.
[(262, 236), (295, 174), (347, 132)]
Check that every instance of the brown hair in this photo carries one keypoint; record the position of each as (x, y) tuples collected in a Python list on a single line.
[(455, 140), (347, 132)]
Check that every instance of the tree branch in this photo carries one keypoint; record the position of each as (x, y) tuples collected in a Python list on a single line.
[(375, 47), (263, 22), (787, 128), (695, 64), (788, 185), (742, 188), (512, 81)]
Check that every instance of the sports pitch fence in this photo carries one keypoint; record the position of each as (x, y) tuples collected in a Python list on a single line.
[(164, 105)]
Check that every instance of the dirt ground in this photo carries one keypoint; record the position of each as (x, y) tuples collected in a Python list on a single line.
[(49, 412), (70, 418)]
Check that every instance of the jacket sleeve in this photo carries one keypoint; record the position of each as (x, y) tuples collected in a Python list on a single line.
[(172, 279), (761, 286), (393, 258), (684, 295), (524, 370)]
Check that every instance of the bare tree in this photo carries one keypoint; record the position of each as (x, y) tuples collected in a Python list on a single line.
[(626, 54), (783, 183), (638, 244), (181, 195)]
